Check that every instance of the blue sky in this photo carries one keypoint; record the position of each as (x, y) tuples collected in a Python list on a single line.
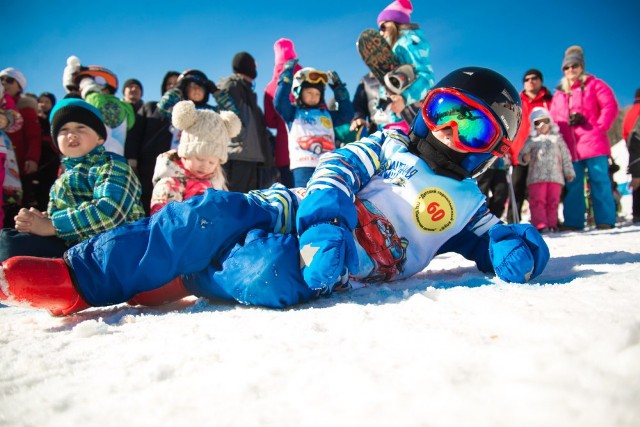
[(144, 39)]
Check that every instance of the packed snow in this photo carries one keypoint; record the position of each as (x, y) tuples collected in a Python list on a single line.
[(449, 347)]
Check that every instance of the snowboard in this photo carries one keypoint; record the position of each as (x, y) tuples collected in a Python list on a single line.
[(385, 66)]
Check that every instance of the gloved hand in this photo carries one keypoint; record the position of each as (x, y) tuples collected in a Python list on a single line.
[(517, 251), (289, 66), (89, 85), (334, 79), (327, 253), (70, 71)]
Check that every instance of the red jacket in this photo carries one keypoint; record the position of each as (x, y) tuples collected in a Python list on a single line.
[(26, 141), (542, 99), (630, 119)]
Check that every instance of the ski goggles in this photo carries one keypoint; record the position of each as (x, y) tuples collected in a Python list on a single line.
[(474, 126), (541, 122), (315, 77)]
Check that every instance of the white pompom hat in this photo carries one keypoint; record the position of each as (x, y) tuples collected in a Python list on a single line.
[(204, 132)]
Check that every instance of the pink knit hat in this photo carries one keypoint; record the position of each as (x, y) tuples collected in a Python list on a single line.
[(284, 51), (399, 11)]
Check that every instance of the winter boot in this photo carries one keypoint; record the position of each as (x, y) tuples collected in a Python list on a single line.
[(400, 78), (39, 283), (169, 292)]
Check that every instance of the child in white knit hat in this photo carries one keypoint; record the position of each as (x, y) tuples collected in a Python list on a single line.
[(196, 165)]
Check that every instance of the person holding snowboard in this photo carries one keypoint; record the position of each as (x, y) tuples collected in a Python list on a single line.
[(375, 210), (410, 45)]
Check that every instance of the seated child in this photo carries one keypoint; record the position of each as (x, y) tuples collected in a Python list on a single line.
[(195, 165), (311, 124), (549, 166), (98, 190), (376, 210)]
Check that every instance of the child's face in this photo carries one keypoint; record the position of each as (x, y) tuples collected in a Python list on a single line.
[(44, 103), (195, 92), (446, 137), (543, 126), (311, 96), (77, 139), (201, 166), (172, 81)]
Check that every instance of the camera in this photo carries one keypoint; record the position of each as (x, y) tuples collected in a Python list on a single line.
[(576, 119)]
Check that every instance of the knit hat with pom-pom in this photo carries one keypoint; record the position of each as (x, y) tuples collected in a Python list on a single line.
[(399, 11), (573, 55), (204, 132)]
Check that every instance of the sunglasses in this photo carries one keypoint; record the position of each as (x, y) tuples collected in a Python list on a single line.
[(532, 78), (572, 66), (475, 128), (7, 79), (540, 123), (384, 27)]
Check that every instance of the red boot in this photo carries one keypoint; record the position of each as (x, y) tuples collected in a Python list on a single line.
[(39, 283), (169, 292)]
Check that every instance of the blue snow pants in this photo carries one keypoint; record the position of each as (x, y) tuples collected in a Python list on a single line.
[(604, 207), (221, 243)]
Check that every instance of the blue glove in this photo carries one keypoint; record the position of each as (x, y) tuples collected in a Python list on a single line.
[(518, 252), (327, 253), (286, 75)]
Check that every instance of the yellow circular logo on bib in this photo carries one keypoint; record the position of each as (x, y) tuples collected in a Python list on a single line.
[(433, 211), (326, 122)]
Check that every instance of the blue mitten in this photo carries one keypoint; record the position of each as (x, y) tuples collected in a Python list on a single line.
[(286, 75), (327, 253), (518, 252)]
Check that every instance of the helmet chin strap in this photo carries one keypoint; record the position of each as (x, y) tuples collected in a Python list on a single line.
[(440, 158)]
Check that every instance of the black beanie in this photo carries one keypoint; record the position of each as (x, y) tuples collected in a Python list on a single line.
[(133, 82), (244, 63), (533, 71), (76, 110)]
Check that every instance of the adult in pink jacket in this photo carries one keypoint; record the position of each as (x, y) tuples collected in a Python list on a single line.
[(283, 52), (584, 107)]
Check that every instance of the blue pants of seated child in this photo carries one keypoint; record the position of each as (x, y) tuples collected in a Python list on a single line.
[(221, 243)]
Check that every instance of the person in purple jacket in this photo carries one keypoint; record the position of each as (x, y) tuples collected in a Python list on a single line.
[(584, 107)]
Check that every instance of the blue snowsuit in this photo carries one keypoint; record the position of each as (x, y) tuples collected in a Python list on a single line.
[(374, 204)]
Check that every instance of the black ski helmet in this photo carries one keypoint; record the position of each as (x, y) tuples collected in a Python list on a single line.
[(498, 94), (197, 77)]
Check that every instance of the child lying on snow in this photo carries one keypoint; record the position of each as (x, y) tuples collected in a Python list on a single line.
[(376, 210)]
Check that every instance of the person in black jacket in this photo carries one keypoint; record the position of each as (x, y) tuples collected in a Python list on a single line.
[(251, 167)]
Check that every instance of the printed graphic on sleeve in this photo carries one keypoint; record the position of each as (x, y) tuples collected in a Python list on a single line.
[(379, 239), (434, 211)]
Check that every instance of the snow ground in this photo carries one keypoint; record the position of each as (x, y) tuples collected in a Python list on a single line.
[(449, 347)]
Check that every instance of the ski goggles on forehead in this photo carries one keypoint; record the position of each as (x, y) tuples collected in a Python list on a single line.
[(317, 77), (474, 126)]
